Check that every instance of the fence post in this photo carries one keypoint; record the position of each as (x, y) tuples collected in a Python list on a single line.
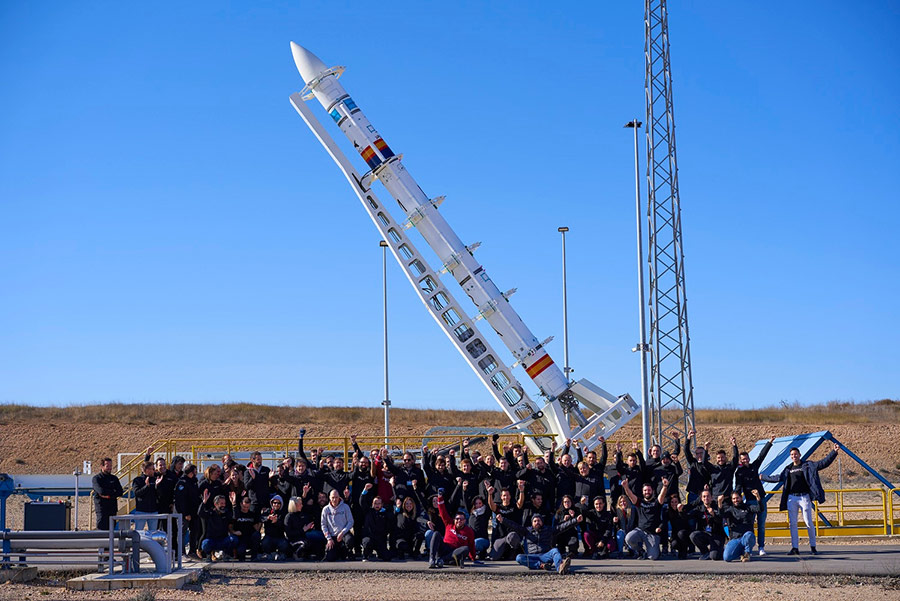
[(815, 517), (840, 497)]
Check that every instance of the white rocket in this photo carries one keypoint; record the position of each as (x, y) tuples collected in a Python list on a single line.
[(561, 415)]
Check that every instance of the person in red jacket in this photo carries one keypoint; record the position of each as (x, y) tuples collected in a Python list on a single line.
[(458, 540)]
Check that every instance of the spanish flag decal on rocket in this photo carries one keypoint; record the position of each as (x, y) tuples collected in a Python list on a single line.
[(370, 157), (383, 148), (539, 366)]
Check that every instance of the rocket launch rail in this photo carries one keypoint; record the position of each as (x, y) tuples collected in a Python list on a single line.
[(577, 410)]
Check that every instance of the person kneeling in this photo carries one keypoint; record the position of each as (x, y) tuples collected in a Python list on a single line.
[(245, 528), (296, 525), (377, 530), (540, 552), (457, 542), (273, 522), (217, 541), (337, 520), (644, 540), (740, 518)]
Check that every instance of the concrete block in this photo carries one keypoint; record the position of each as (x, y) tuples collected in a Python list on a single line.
[(26, 574), (96, 585)]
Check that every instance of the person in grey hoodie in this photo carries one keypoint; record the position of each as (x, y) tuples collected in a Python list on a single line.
[(337, 520)]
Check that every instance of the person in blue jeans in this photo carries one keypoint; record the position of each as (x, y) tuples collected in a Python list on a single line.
[(540, 552), (217, 541), (746, 480), (740, 518)]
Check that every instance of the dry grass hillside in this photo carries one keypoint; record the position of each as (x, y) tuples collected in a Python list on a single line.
[(57, 439)]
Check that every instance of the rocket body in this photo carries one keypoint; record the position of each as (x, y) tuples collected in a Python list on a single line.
[(421, 212)]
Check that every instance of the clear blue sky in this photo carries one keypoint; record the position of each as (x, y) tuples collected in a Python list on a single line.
[(171, 231)]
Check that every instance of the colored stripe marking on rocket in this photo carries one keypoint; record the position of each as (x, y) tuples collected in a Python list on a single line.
[(383, 148), (536, 368), (370, 157)]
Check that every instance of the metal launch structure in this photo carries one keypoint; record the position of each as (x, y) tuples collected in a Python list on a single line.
[(671, 387), (577, 410)]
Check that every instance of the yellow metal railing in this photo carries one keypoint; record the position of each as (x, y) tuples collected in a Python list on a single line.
[(892, 509), (867, 512)]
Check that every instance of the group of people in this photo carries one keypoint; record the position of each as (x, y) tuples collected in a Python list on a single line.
[(539, 511)]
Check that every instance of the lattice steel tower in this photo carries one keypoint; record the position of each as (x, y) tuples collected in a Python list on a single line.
[(671, 389)]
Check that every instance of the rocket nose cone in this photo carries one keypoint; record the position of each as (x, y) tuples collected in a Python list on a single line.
[(307, 63)]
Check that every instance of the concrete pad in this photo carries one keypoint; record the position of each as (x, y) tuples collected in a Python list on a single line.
[(855, 560), (105, 582)]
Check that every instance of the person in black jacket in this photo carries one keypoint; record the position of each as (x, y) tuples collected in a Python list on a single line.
[(465, 473), (336, 478), (187, 503), (405, 473), (408, 535), (377, 531), (566, 523), (535, 505), (597, 464), (740, 518), (679, 520), (256, 482), (540, 478), (166, 478), (709, 533), (107, 490), (625, 520), (632, 470), (599, 532), (698, 468), (479, 520), (500, 476), (801, 488), (667, 468), (245, 527), (430, 522), (566, 472), (274, 539), (282, 481), (145, 501), (721, 474), (363, 484), (504, 541), (217, 538), (306, 485), (212, 482), (588, 483), (436, 472), (297, 523), (315, 538), (746, 480)]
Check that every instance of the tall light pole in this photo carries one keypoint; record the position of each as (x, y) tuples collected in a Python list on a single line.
[(642, 347), (387, 399), (566, 369)]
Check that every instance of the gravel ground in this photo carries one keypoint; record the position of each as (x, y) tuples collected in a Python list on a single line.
[(451, 587)]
